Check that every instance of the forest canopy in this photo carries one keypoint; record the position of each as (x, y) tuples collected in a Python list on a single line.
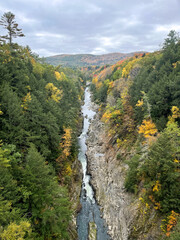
[(39, 103)]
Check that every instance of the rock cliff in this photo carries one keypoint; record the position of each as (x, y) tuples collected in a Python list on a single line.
[(124, 213)]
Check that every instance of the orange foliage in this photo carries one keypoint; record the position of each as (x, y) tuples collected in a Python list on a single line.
[(172, 221)]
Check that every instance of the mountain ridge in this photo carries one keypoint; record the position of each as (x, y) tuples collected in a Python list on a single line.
[(84, 60)]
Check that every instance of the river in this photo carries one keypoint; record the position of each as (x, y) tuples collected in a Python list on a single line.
[(90, 211)]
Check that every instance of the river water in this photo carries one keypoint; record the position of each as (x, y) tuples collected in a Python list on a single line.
[(90, 211)]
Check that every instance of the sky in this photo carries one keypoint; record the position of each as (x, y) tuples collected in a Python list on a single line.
[(54, 27)]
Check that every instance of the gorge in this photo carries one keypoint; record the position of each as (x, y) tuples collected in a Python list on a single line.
[(89, 221)]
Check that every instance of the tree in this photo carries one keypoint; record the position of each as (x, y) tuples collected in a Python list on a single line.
[(16, 231), (7, 20), (48, 202), (171, 39)]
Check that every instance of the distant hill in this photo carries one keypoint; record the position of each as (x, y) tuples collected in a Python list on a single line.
[(83, 60)]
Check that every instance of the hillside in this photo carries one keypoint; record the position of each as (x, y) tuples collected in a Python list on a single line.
[(134, 144), (83, 60), (38, 146)]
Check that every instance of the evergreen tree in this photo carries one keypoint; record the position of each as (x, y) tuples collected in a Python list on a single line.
[(48, 202), (8, 21)]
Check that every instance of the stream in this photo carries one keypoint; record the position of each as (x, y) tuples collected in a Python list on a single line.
[(90, 211)]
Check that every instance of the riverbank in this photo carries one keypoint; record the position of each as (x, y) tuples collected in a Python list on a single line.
[(107, 179), (122, 211)]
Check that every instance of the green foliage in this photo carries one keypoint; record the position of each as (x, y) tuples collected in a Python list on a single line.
[(47, 202), (141, 93), (160, 166), (159, 170), (131, 182), (7, 20), (31, 127), (101, 94), (159, 79)]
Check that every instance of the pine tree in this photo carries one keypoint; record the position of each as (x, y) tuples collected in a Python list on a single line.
[(48, 202), (7, 20)]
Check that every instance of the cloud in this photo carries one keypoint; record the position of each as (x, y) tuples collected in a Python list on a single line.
[(167, 28), (99, 50), (83, 26)]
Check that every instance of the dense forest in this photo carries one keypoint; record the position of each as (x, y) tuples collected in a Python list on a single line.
[(139, 100), (39, 120)]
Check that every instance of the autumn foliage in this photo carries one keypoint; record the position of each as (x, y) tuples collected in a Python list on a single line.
[(53, 92), (148, 129)]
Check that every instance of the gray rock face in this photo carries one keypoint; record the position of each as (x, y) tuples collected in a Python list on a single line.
[(108, 176), (126, 217)]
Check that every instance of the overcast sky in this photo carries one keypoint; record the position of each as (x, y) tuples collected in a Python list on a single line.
[(93, 26)]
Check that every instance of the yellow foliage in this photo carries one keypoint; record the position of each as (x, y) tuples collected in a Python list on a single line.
[(157, 186), (99, 85), (53, 92), (147, 206), (57, 75), (141, 199), (60, 76), (115, 113), (33, 62), (63, 76), (148, 128), (157, 205), (95, 80), (119, 142), (15, 231), (111, 84), (110, 115), (106, 116), (1, 113), (144, 207), (175, 112), (66, 142), (28, 87), (175, 64), (68, 170), (126, 70), (140, 103), (26, 100)]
